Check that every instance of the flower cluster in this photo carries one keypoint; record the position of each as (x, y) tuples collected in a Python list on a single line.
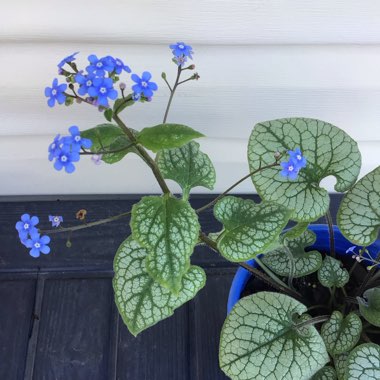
[(363, 255), (65, 150), (181, 52), (30, 237), (291, 168)]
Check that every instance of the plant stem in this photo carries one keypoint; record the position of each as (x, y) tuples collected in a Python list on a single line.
[(144, 154), (262, 276), (292, 265), (199, 210), (331, 233), (108, 151), (313, 321), (172, 91), (86, 225)]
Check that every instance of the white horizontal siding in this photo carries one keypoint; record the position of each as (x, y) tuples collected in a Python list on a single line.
[(258, 60), (199, 21)]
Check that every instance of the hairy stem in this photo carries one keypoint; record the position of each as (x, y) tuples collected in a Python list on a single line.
[(172, 91), (85, 152), (313, 321), (331, 233), (144, 154), (86, 225), (199, 210)]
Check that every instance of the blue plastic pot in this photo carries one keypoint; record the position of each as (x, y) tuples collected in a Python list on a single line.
[(322, 244)]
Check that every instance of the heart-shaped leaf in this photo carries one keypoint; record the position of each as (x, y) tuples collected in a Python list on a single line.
[(370, 306), (166, 136), (363, 363), (295, 231), (328, 150), (340, 362), (188, 166), (249, 228), (109, 137), (332, 274), (168, 227), (359, 212), (304, 262), (260, 340), (326, 373), (141, 301), (341, 334)]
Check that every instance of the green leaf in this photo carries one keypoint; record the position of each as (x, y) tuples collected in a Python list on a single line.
[(370, 306), (340, 362), (249, 228), (141, 301), (363, 363), (332, 274), (260, 340), (295, 231), (109, 137), (328, 150), (359, 212), (304, 262), (168, 227), (166, 136), (341, 334), (108, 114), (121, 104), (326, 373), (188, 166)]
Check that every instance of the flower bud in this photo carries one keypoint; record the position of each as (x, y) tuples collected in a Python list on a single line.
[(78, 100), (122, 86), (277, 155), (163, 75), (196, 76), (191, 67)]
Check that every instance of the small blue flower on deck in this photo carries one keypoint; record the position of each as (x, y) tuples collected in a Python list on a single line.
[(38, 244), (297, 157), (76, 141), (26, 225), (102, 89), (143, 84), (119, 65), (68, 59), (55, 147), (56, 93), (85, 82), (55, 220), (99, 66)]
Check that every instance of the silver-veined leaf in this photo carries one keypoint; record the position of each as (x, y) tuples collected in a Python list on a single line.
[(326, 373), (370, 306), (363, 363), (332, 274)]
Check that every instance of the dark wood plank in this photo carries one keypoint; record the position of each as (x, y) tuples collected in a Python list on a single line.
[(16, 307), (159, 353), (208, 312), (74, 332)]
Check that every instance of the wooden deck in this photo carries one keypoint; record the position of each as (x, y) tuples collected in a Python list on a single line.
[(58, 319)]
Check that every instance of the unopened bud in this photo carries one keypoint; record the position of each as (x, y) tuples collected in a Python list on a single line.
[(196, 76), (191, 67), (68, 243), (78, 100), (122, 86), (71, 86), (277, 155), (163, 75)]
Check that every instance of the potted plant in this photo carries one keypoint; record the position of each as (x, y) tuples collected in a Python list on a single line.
[(308, 313)]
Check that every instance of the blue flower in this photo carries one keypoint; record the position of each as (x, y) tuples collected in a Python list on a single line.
[(85, 82), (297, 157), (75, 141), (67, 59), (38, 244), (351, 249), (26, 226), (119, 66), (289, 170), (143, 85), (136, 97), (55, 147), (55, 220), (55, 93), (99, 66), (65, 159), (180, 49), (103, 89)]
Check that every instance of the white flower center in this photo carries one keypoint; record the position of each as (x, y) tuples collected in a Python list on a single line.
[(37, 245), (89, 83), (181, 46), (63, 158), (144, 84), (54, 92), (77, 138), (56, 219), (290, 168), (26, 226), (103, 90), (299, 157), (99, 64)]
